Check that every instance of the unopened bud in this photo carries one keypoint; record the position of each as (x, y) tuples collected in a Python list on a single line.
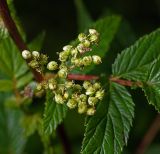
[(59, 99), (52, 65), (94, 38), (66, 95), (96, 59), (97, 85), (63, 56), (86, 84), (92, 101), (35, 54), (26, 54), (83, 97), (74, 52), (62, 73), (86, 43), (39, 86), (68, 84), (90, 91), (52, 86), (33, 64), (82, 107), (80, 48), (67, 47), (91, 111), (92, 31), (100, 94), (72, 103), (82, 37), (87, 60)]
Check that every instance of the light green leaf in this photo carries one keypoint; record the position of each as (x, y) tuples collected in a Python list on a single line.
[(107, 131), (12, 66), (133, 63), (6, 85), (54, 113), (11, 133), (3, 30), (83, 17), (152, 85)]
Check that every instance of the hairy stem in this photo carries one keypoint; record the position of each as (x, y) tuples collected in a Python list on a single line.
[(149, 136), (14, 33)]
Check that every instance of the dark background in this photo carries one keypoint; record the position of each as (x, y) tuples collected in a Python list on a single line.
[(59, 20)]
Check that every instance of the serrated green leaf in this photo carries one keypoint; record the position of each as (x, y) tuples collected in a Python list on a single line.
[(152, 85), (12, 66), (107, 131), (133, 63), (11, 133), (54, 113), (83, 16)]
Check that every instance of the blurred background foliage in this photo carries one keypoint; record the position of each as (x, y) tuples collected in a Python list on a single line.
[(60, 21)]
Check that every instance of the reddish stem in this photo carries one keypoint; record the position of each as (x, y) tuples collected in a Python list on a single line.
[(82, 77)]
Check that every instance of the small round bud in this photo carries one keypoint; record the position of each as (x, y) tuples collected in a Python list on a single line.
[(82, 37), (92, 31), (82, 107), (97, 85), (86, 84), (52, 86), (76, 62), (93, 38), (80, 48), (74, 52), (68, 84), (52, 65), (33, 64), (87, 60), (90, 91), (59, 99), (67, 47), (86, 43), (62, 73), (83, 97), (92, 101), (63, 56), (77, 87), (66, 95), (26, 54), (91, 111), (72, 103), (96, 59), (100, 94), (39, 87), (44, 59), (35, 54)]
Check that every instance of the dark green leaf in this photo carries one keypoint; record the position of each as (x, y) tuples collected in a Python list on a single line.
[(133, 63), (152, 85), (6, 85), (107, 131), (54, 113), (84, 19)]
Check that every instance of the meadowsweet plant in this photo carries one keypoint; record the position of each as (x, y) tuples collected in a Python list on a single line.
[(86, 96), (40, 95)]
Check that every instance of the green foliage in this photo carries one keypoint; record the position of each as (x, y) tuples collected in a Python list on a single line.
[(11, 133), (107, 131), (152, 85), (84, 19), (54, 113), (133, 63)]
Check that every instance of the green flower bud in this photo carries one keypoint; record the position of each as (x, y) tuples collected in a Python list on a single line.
[(39, 87), (59, 99), (62, 73), (80, 48), (35, 54), (82, 37), (67, 47), (66, 95), (44, 59), (77, 87), (86, 43), (76, 61), (100, 94), (52, 65), (72, 103), (86, 84), (93, 31), (82, 107), (83, 97), (97, 85), (26, 54), (33, 64), (90, 91), (52, 86), (63, 56), (92, 101), (91, 111), (74, 52), (68, 84), (87, 60), (96, 59), (94, 38)]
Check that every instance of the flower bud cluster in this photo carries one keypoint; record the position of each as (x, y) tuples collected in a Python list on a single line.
[(83, 97), (37, 60)]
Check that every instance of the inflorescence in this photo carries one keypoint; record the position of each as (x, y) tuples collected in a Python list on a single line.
[(86, 96)]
